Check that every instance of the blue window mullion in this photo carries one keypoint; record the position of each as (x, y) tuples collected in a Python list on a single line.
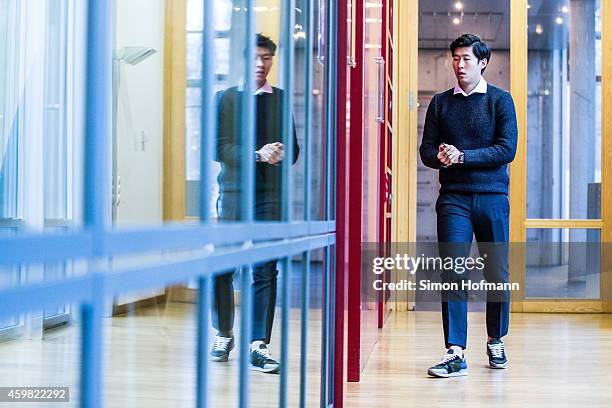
[(304, 328), (330, 126), (208, 122), (208, 117), (202, 341), (97, 199), (287, 24), (309, 24), (248, 200)]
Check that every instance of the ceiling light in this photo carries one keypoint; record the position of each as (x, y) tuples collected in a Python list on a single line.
[(456, 21), (565, 9), (539, 30), (458, 5), (559, 20)]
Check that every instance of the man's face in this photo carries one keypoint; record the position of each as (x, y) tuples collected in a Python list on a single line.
[(263, 63), (466, 65)]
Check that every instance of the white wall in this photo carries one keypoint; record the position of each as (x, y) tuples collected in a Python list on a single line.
[(140, 113), (140, 23)]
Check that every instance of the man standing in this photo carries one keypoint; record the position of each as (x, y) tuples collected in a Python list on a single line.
[(268, 181), (470, 135)]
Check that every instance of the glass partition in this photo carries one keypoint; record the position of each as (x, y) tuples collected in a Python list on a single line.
[(129, 302), (564, 112), (559, 267)]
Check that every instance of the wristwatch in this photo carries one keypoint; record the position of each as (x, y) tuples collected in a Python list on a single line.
[(257, 157), (461, 157)]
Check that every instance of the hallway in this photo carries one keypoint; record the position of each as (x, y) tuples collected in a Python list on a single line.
[(150, 361), (549, 365)]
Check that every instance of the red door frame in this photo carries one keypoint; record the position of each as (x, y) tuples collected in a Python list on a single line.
[(342, 233), (382, 219), (341, 203), (386, 149), (349, 183), (355, 185)]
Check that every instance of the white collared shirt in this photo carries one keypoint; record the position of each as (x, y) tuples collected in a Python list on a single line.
[(480, 88), (265, 88)]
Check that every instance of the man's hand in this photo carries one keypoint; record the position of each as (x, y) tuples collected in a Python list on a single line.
[(448, 154), (272, 153)]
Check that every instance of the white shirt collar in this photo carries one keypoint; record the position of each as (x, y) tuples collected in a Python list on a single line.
[(266, 88), (480, 88)]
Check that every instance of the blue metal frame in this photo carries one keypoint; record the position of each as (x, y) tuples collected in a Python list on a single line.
[(272, 240), (36, 296), (329, 282), (309, 24), (287, 28), (202, 342), (97, 199), (53, 247), (248, 187)]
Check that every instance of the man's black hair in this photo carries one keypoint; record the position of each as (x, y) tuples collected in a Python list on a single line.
[(266, 42), (480, 49)]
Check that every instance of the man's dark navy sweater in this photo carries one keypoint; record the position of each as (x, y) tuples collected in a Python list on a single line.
[(269, 109), (483, 126)]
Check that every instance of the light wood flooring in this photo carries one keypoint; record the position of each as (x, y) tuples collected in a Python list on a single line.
[(150, 362), (555, 361)]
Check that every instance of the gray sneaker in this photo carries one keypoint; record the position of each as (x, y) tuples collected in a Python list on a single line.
[(451, 365), (261, 360), (496, 353), (221, 348)]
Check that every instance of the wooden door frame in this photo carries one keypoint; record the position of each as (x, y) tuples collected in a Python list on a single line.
[(175, 86), (406, 153), (405, 138), (518, 174)]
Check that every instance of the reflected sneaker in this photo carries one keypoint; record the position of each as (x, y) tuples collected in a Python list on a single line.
[(221, 348), (496, 353), (451, 365), (261, 360)]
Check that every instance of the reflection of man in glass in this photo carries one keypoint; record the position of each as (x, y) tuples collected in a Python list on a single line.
[(269, 154), (470, 135)]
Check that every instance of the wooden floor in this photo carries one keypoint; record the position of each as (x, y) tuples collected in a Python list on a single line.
[(150, 362), (555, 360)]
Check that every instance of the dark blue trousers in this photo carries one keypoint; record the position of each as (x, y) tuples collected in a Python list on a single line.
[(460, 217), (264, 276)]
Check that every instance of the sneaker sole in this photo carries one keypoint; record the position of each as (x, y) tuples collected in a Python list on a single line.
[(265, 370), (498, 366), (460, 373)]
